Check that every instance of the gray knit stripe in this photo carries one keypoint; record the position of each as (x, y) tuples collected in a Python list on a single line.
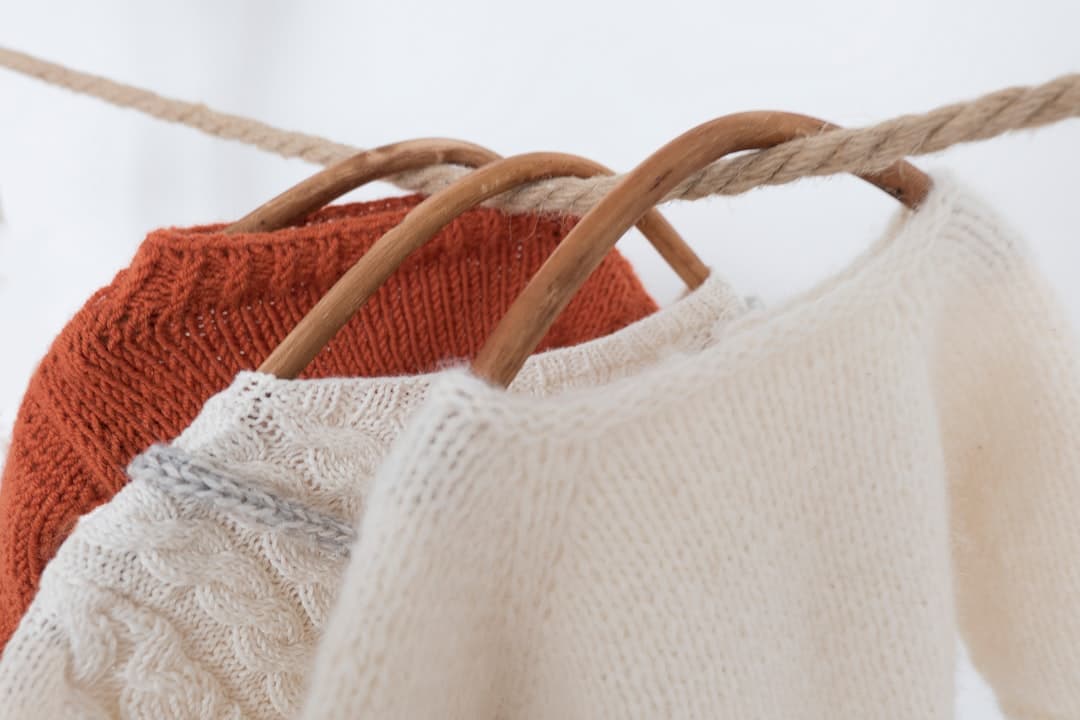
[(179, 474)]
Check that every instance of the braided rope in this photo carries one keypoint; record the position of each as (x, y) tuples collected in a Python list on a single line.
[(195, 115), (176, 473), (855, 150)]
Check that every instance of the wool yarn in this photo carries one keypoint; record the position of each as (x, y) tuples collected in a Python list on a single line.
[(201, 589), (792, 522), (137, 362)]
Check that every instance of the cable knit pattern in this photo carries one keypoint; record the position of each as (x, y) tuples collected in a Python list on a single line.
[(137, 362), (201, 588), (790, 523)]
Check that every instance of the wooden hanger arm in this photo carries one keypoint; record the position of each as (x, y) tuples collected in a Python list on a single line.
[(676, 252), (306, 197), (549, 292), (425, 220)]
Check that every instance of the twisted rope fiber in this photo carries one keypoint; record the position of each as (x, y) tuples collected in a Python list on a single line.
[(175, 472), (854, 150)]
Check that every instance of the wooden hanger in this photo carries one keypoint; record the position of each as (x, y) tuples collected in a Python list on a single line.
[(548, 293), (425, 220), (327, 185)]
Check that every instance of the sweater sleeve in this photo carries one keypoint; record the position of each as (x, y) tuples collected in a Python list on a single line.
[(416, 631), (46, 487), (1010, 413)]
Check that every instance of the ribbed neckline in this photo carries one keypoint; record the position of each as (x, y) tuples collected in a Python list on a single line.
[(882, 273), (686, 325), (201, 267), (179, 266)]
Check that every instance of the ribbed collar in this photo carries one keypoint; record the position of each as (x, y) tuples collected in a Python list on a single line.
[(350, 422)]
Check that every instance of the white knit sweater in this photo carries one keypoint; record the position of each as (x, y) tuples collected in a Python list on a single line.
[(201, 589), (789, 524)]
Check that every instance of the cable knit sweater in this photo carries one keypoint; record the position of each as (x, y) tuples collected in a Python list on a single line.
[(201, 588), (790, 523), (136, 364)]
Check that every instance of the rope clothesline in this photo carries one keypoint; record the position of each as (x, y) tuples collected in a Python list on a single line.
[(856, 150)]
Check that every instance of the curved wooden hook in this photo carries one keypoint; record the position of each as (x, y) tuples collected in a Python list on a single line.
[(425, 220), (549, 292), (327, 185)]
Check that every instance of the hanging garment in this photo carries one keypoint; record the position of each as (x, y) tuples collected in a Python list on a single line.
[(790, 523), (201, 588), (196, 306)]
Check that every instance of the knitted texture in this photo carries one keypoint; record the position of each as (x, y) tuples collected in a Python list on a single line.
[(790, 523), (200, 590), (137, 362), (175, 472)]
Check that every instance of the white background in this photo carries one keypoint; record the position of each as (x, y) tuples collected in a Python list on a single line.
[(82, 182)]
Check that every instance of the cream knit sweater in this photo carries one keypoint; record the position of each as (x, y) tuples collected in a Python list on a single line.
[(789, 524), (201, 589)]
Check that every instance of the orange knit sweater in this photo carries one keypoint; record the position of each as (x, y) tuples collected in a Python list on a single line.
[(137, 362)]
